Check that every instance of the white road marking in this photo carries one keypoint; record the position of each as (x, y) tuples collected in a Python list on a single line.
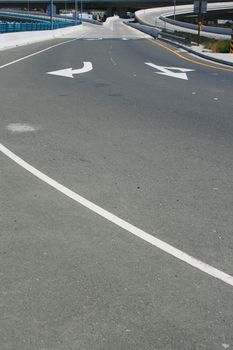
[(169, 71), (91, 39), (113, 62), (19, 127), (36, 53), (69, 72), (181, 50), (169, 249)]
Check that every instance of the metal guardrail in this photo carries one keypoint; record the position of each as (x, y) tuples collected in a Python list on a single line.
[(155, 33), (30, 16), (12, 17), (207, 29), (24, 27), (33, 21), (178, 38), (40, 21), (40, 16), (92, 21), (144, 28)]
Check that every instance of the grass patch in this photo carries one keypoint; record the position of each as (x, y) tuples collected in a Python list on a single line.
[(220, 46)]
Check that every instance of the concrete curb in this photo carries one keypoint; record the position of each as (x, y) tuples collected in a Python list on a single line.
[(11, 40), (216, 60), (156, 34)]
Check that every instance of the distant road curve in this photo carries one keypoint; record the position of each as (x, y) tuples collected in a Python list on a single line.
[(155, 17)]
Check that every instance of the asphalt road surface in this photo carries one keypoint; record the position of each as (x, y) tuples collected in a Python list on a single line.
[(152, 146)]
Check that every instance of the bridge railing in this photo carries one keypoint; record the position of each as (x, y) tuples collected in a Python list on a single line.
[(217, 30), (22, 15), (24, 27), (32, 16)]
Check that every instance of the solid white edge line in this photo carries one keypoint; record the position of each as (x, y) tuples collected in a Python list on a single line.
[(46, 49), (198, 264), (36, 53)]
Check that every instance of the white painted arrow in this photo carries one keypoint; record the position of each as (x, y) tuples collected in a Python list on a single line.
[(69, 72), (169, 71)]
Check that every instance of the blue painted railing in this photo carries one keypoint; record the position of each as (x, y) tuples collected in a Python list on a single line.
[(18, 16), (11, 27), (30, 16)]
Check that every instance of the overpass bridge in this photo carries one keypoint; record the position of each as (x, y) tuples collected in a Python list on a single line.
[(94, 4)]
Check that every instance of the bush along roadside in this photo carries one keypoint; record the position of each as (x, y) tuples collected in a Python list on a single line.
[(220, 46)]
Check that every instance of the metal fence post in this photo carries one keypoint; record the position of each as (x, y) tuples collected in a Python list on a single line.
[(51, 13)]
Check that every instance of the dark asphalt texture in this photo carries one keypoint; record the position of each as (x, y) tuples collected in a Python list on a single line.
[(155, 151)]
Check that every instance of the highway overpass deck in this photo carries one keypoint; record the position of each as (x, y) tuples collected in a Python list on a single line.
[(133, 4), (157, 17)]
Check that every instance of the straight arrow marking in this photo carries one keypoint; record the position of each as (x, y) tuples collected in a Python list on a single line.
[(169, 71), (69, 72)]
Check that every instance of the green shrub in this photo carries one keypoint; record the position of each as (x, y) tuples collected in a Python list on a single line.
[(220, 46), (223, 46)]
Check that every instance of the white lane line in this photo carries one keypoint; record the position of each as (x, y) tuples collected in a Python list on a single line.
[(169, 249), (92, 39), (20, 127), (113, 62), (36, 53)]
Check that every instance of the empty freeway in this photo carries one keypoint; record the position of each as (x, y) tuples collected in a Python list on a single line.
[(116, 195), (133, 4)]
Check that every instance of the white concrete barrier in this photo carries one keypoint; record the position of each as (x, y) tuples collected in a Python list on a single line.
[(10, 40)]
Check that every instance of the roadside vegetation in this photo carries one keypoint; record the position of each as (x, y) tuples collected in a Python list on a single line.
[(220, 46)]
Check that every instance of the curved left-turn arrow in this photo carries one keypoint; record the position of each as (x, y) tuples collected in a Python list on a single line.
[(69, 72)]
